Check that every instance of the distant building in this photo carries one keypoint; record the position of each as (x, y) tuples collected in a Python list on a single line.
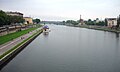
[(111, 22), (81, 21), (15, 14), (28, 20)]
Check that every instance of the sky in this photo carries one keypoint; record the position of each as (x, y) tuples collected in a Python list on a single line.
[(59, 10)]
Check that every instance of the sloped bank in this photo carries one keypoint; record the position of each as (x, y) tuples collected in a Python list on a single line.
[(10, 54), (101, 28)]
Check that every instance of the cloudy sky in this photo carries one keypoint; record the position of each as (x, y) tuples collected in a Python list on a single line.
[(63, 9)]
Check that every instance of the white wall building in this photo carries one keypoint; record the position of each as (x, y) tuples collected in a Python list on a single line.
[(111, 22)]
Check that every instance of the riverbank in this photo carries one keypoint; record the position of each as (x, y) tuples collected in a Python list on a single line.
[(102, 28), (16, 49), (11, 36)]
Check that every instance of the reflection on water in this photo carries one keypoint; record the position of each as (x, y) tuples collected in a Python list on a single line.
[(117, 35), (69, 49), (46, 33)]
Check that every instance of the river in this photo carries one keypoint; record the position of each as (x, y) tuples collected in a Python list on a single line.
[(69, 49)]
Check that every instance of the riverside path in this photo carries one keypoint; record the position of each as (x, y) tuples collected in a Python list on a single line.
[(5, 47)]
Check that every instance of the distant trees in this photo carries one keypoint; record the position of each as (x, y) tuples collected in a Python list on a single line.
[(15, 19), (90, 22), (87, 22), (63, 22), (106, 22), (36, 20), (95, 22), (101, 23), (8, 19), (72, 22), (3, 18), (118, 21)]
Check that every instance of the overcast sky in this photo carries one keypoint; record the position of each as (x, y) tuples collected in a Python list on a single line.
[(63, 9)]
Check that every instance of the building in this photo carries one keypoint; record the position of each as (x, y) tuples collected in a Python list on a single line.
[(81, 21), (15, 14), (111, 22), (28, 20)]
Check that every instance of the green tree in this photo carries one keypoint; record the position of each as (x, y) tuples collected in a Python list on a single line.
[(118, 22), (101, 23), (90, 22), (63, 22), (72, 22), (3, 18), (105, 22), (8, 19), (16, 19), (36, 20)]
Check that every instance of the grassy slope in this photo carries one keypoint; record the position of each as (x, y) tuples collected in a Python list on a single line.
[(8, 37), (103, 29), (17, 46)]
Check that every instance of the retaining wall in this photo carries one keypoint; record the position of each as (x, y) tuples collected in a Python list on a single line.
[(13, 53)]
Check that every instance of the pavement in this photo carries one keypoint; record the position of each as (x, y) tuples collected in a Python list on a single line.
[(7, 46)]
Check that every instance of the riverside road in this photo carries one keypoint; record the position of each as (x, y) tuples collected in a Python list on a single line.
[(69, 49)]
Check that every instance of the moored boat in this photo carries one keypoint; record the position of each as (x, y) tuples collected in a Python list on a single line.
[(46, 29)]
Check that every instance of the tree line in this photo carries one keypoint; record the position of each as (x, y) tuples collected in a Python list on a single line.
[(94, 22), (91, 22), (8, 19), (36, 21), (87, 22)]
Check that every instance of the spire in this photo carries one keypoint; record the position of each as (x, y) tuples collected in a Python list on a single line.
[(80, 17)]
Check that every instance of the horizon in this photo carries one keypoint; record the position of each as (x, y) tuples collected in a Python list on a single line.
[(61, 10)]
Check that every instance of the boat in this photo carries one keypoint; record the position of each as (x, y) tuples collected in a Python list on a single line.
[(46, 29)]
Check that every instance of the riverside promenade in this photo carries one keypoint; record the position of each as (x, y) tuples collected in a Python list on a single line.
[(7, 46)]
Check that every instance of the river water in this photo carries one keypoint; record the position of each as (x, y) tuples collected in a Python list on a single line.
[(69, 49)]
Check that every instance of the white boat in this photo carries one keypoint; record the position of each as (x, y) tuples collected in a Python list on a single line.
[(46, 30)]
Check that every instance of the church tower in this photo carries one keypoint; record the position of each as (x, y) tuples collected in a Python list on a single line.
[(81, 20)]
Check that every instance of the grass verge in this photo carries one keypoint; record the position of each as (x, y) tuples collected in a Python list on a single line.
[(17, 46), (11, 36)]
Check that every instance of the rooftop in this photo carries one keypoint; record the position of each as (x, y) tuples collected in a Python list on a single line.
[(14, 13)]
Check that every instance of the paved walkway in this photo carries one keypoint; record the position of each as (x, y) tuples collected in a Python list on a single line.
[(5, 47)]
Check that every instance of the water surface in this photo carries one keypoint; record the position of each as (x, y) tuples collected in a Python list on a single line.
[(69, 49)]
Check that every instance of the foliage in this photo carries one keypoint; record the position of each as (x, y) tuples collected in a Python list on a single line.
[(36, 20), (118, 22), (72, 22), (105, 22), (90, 22), (63, 22), (8, 19), (3, 18), (15, 19), (101, 23)]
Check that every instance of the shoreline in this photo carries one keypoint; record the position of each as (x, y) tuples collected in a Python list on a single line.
[(10, 54), (100, 28)]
